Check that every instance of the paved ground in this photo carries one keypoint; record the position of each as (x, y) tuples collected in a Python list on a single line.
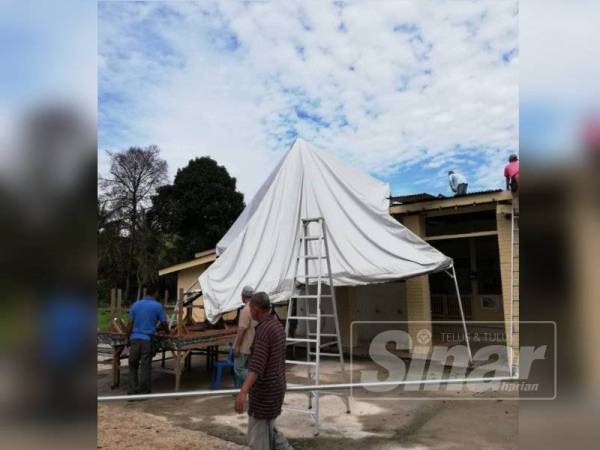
[(375, 423)]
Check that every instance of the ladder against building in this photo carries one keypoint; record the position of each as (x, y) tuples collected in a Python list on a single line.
[(312, 319)]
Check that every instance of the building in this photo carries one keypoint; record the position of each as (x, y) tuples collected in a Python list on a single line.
[(476, 230), (186, 276)]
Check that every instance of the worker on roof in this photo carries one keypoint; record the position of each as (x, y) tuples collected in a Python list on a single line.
[(511, 173), (244, 338), (145, 316), (458, 183), (266, 381)]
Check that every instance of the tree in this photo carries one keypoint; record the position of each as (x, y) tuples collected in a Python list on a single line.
[(125, 196), (199, 207)]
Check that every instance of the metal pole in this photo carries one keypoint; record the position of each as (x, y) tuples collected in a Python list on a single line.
[(512, 288), (462, 313), (303, 388)]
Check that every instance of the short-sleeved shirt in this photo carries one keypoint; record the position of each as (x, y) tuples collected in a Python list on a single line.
[(268, 362), (512, 169), (245, 321), (146, 313), (455, 179)]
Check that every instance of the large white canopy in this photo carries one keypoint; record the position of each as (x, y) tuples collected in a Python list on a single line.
[(366, 244)]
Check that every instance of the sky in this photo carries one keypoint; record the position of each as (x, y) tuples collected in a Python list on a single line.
[(559, 76), (49, 54), (404, 91)]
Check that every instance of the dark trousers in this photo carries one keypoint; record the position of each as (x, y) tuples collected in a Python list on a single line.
[(461, 189), (140, 354)]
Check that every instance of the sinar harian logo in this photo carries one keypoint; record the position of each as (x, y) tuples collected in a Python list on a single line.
[(424, 336)]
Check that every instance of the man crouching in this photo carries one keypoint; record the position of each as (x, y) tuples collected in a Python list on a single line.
[(265, 380)]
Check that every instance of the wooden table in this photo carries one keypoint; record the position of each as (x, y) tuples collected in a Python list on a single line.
[(204, 342)]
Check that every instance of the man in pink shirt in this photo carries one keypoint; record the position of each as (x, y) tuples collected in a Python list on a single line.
[(511, 173)]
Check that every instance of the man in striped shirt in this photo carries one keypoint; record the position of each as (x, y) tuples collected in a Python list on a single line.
[(265, 381)]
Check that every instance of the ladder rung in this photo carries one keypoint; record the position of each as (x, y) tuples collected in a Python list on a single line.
[(299, 409), (301, 363), (302, 318), (324, 334), (327, 344), (338, 393), (301, 340), (337, 355), (322, 315), (311, 296), (312, 219)]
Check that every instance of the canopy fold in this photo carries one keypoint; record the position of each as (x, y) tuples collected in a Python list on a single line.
[(366, 244)]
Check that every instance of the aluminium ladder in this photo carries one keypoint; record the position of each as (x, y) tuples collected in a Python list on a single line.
[(314, 314)]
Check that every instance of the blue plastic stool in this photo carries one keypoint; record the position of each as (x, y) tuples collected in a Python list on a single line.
[(218, 367)]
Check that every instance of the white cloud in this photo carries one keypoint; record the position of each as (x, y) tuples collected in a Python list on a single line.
[(560, 49), (559, 76), (382, 85)]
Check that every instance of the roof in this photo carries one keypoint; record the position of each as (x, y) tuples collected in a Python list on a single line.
[(412, 198), (201, 258), (424, 197), (423, 202)]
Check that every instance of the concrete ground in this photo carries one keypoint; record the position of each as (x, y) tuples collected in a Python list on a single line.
[(378, 421)]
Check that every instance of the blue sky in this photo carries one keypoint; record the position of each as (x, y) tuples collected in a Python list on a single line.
[(237, 82), (404, 91)]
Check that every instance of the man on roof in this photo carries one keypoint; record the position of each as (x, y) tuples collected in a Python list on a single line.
[(458, 183), (511, 173)]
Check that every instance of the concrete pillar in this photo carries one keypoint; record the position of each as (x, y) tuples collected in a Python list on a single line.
[(509, 262), (418, 299)]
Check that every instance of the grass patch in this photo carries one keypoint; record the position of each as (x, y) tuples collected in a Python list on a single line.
[(104, 318)]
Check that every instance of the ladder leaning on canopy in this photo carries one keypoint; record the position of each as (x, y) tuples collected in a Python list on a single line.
[(306, 309)]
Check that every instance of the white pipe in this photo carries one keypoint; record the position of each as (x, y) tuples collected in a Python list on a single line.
[(512, 289), (300, 388), (462, 313)]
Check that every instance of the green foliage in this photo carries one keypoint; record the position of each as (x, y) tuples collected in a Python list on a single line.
[(145, 225), (200, 206), (103, 317), (129, 249)]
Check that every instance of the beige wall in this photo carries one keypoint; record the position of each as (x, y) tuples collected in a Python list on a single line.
[(418, 297), (508, 263), (185, 279)]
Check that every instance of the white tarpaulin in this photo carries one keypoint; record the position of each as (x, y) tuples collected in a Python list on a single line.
[(366, 244)]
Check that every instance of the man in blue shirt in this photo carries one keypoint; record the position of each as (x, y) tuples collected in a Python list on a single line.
[(144, 317)]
